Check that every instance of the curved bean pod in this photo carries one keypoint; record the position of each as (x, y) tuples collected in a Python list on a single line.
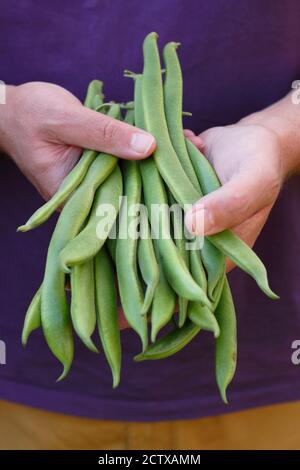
[(129, 284), (148, 266), (206, 175), (214, 263), (203, 317), (180, 242), (155, 122), (83, 312), (173, 92), (170, 344), (213, 259), (33, 317), (244, 257), (107, 316), (197, 269), (164, 302), (200, 314), (88, 242), (226, 343), (94, 97), (111, 244), (146, 255)]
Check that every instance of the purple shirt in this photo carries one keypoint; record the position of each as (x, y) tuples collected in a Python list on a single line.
[(237, 57)]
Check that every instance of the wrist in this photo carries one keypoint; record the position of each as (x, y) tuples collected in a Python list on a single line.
[(281, 119)]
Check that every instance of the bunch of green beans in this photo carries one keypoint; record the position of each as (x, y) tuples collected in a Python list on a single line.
[(162, 276)]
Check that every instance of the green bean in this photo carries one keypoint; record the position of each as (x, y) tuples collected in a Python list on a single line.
[(88, 242), (182, 311), (173, 173), (69, 184), (200, 314), (129, 116), (213, 259), (197, 269), (33, 317), (242, 255), (146, 255), (175, 269), (218, 291), (83, 312), (203, 317), (214, 263), (55, 313), (226, 344), (164, 302), (173, 108), (155, 122), (148, 265), (94, 97), (171, 343), (206, 175), (134, 306), (111, 244), (129, 284), (180, 242), (106, 302)]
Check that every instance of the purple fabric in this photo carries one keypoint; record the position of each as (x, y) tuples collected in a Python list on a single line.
[(237, 57)]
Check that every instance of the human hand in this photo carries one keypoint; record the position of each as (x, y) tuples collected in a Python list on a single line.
[(43, 128), (248, 160)]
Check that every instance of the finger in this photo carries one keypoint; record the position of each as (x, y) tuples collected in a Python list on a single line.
[(239, 199), (88, 129), (189, 133), (195, 139)]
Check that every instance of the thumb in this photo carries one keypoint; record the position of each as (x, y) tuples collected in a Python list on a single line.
[(230, 205), (86, 128)]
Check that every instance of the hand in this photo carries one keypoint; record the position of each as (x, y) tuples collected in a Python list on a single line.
[(43, 128), (248, 161)]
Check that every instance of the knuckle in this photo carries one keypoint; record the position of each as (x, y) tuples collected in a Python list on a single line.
[(272, 184), (109, 131), (239, 201)]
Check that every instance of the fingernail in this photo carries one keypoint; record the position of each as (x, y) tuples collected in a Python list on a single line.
[(199, 221), (141, 142)]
